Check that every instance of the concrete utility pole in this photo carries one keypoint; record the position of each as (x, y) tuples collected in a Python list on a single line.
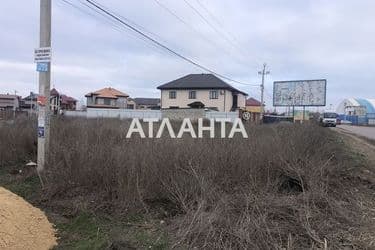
[(263, 73), (44, 86), (16, 101)]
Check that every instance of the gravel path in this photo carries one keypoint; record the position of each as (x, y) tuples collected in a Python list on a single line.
[(23, 226)]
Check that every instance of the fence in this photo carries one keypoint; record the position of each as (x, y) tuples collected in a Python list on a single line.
[(230, 115), (75, 113), (141, 114), (357, 119), (123, 113)]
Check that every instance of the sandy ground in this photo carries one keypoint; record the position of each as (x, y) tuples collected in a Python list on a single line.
[(23, 226)]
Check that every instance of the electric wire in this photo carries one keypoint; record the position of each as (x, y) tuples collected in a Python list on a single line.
[(131, 27)]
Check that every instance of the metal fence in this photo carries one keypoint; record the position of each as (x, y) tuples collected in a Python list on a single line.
[(75, 113), (140, 114), (123, 113), (215, 114), (358, 119)]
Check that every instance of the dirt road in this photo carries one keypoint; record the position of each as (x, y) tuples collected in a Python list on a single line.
[(368, 132), (358, 142), (23, 226)]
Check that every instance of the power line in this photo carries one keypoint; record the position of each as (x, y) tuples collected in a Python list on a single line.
[(209, 12), (221, 25), (203, 36), (108, 20), (213, 17), (127, 20), (163, 6), (109, 13), (210, 24), (173, 14)]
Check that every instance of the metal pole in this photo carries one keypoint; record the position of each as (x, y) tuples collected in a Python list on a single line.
[(263, 73), (293, 113), (44, 85), (15, 104), (262, 94), (303, 116), (31, 103)]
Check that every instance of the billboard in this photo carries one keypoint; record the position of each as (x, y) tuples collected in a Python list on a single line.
[(300, 93)]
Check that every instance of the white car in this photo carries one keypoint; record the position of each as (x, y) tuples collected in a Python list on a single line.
[(328, 119)]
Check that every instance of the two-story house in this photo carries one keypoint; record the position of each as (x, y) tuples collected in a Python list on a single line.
[(107, 98), (61, 102), (58, 102), (147, 103), (204, 90), (9, 102)]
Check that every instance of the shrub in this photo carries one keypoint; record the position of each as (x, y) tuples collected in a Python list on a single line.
[(281, 187), (17, 141)]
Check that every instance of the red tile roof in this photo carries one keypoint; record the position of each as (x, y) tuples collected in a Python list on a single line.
[(252, 102), (108, 93)]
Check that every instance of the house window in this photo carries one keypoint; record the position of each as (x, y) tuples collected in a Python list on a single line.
[(214, 94), (107, 101), (172, 94), (99, 101), (192, 94)]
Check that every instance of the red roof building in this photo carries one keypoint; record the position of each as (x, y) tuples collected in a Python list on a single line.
[(107, 98)]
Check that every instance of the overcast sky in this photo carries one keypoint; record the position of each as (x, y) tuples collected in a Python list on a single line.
[(298, 39)]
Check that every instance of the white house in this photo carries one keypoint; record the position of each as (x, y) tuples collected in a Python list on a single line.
[(201, 90)]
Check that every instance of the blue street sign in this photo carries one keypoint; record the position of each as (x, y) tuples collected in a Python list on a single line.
[(42, 67), (41, 132)]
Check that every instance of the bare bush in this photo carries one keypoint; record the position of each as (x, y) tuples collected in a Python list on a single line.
[(281, 187), (17, 140)]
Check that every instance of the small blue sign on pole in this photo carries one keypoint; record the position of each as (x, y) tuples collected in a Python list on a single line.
[(41, 132), (42, 67)]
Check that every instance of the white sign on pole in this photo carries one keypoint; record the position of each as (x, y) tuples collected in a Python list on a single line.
[(300, 93), (42, 55)]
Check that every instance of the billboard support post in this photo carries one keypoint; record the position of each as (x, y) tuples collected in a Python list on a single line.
[(293, 113), (303, 116)]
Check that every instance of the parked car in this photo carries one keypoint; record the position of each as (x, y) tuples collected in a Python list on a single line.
[(328, 119)]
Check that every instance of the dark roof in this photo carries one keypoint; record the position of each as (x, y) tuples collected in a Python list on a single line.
[(147, 101), (199, 81), (252, 102), (54, 92), (32, 96), (67, 99)]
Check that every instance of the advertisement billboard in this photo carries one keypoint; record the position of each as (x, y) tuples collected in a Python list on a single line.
[(300, 93)]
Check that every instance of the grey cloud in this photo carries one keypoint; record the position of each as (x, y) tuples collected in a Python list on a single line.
[(298, 39)]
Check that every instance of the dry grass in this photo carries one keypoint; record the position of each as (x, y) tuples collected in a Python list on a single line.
[(17, 141), (286, 186), (282, 187)]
